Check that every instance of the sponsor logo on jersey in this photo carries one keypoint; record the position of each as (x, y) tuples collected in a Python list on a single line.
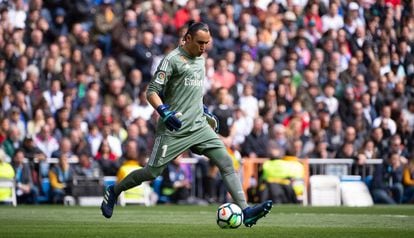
[(195, 80)]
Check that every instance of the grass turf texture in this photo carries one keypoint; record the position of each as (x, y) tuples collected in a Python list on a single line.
[(199, 221)]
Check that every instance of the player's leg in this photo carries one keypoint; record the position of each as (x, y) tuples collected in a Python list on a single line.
[(222, 160), (133, 179), (212, 147), (164, 150), (233, 184), (136, 177)]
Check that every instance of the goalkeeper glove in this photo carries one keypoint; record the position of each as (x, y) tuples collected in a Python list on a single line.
[(169, 117), (211, 119)]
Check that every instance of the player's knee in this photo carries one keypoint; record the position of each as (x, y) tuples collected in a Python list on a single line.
[(225, 165)]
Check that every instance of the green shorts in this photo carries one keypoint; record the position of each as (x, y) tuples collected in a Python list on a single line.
[(169, 147)]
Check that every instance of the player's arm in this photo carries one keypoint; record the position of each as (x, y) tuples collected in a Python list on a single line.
[(154, 99), (155, 88)]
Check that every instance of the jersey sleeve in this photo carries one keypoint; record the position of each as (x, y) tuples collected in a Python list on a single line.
[(160, 77)]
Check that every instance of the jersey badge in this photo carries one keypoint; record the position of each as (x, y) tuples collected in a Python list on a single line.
[(160, 78)]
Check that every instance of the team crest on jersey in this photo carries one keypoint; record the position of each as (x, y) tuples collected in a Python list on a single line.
[(183, 59), (160, 78)]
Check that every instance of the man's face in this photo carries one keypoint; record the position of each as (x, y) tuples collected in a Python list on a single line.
[(197, 43)]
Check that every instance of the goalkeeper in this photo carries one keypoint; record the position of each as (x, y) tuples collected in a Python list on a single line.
[(176, 92)]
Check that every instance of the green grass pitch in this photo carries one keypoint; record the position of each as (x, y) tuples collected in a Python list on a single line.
[(199, 221)]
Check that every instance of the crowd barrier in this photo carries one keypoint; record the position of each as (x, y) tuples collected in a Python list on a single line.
[(340, 167), (250, 168)]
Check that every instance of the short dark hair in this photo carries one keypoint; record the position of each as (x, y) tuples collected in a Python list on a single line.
[(193, 27)]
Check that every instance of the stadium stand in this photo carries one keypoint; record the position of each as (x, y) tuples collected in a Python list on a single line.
[(332, 79)]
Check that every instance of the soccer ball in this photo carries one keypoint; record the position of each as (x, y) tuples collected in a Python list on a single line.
[(229, 215)]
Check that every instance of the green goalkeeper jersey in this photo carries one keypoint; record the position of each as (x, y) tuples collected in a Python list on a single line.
[(179, 81)]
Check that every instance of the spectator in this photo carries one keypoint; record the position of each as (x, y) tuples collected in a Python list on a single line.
[(223, 42), (54, 96), (141, 107), (358, 119), (224, 110), (385, 121), (222, 76), (297, 113), (387, 184), (267, 78), (17, 120), (65, 148), (369, 111), (329, 99), (365, 153), (132, 160), (13, 141), (408, 181), (248, 102), (182, 16), (133, 84), (45, 141), (113, 141), (7, 96), (79, 143), (60, 176), (335, 135), (279, 175), (87, 167), (17, 14), (59, 25), (106, 159), (255, 145), (144, 52), (175, 183), (242, 127), (91, 105), (35, 157), (26, 190), (315, 135), (395, 145), (332, 20), (104, 22), (133, 132), (18, 74), (278, 140)]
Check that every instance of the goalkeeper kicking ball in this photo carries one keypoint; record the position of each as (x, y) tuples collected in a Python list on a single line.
[(229, 215)]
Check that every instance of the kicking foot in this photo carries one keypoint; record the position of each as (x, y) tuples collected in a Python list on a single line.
[(108, 203), (253, 214)]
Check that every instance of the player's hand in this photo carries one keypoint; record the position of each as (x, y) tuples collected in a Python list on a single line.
[(211, 119), (169, 118)]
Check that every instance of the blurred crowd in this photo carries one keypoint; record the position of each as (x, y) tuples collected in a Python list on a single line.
[(308, 78)]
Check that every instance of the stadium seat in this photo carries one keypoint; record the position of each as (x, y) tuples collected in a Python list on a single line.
[(9, 184), (355, 194), (325, 190)]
